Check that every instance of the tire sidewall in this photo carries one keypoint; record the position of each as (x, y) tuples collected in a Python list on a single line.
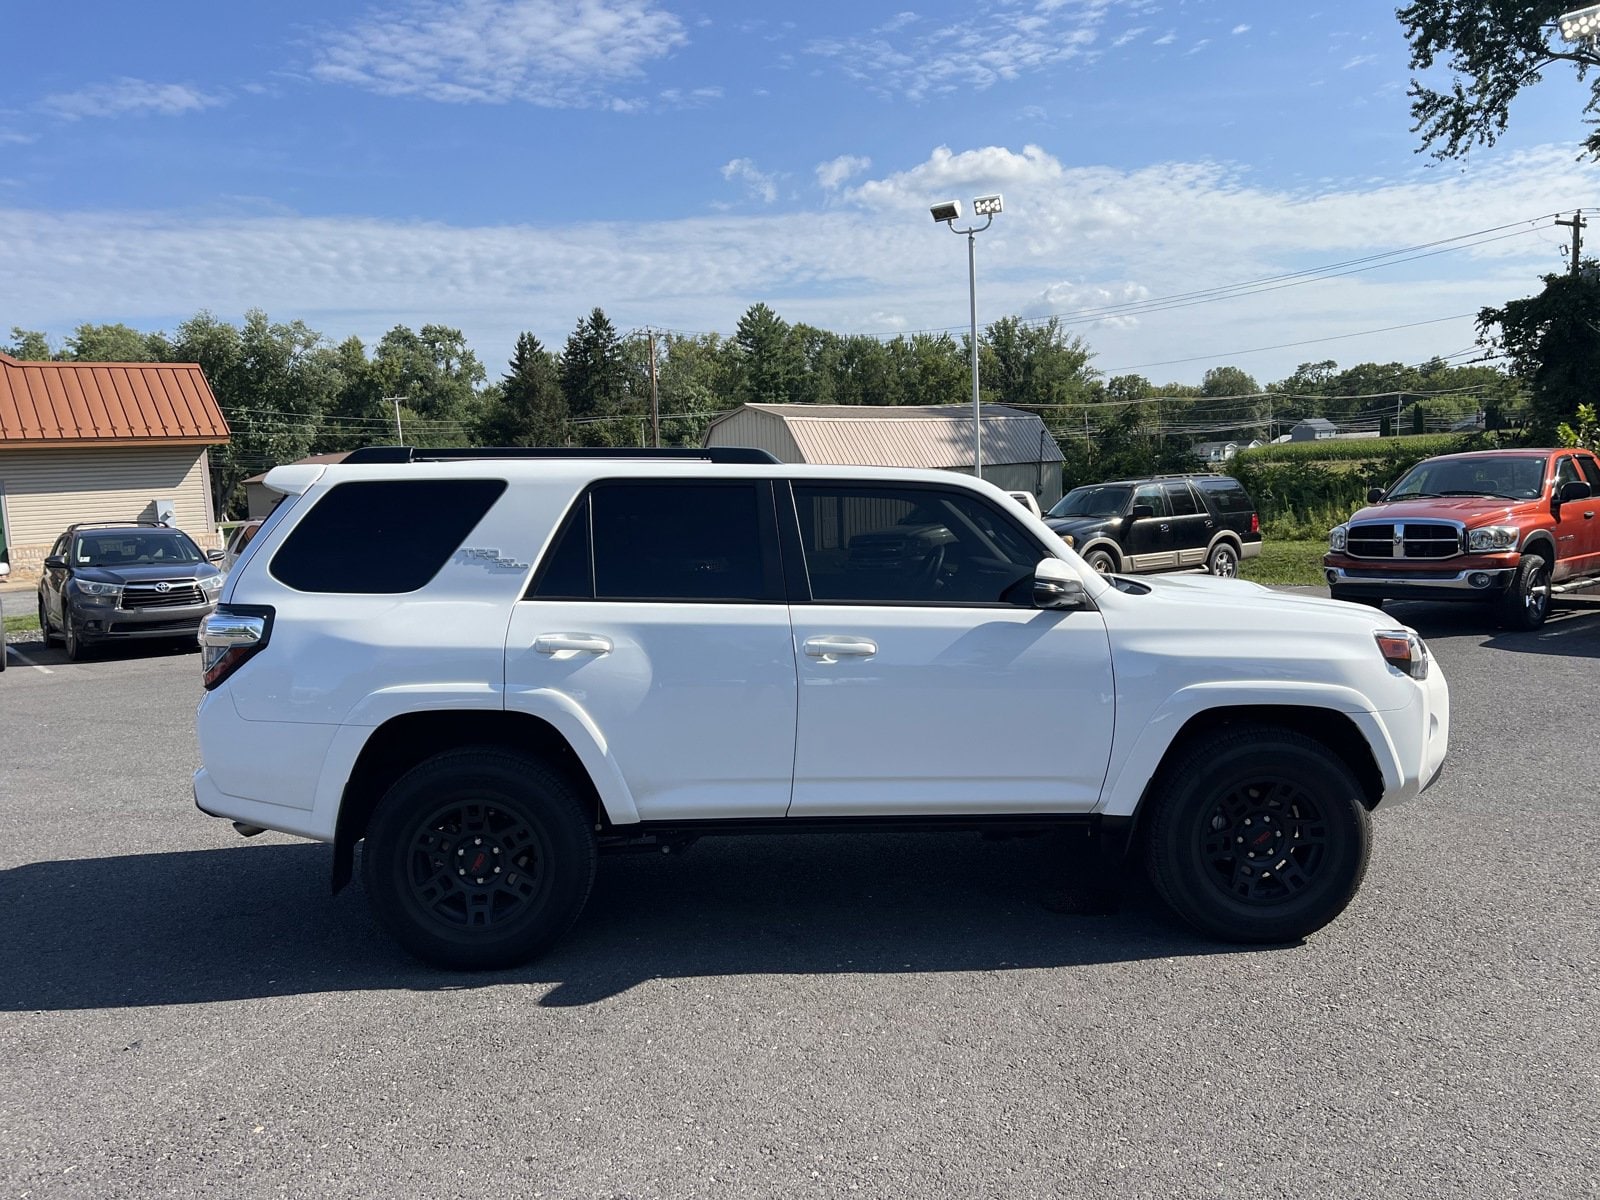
[(1223, 552), (1177, 858), (1533, 569), (1101, 555), (519, 786)]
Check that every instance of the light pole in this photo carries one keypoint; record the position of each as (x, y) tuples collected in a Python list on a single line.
[(399, 437), (948, 213)]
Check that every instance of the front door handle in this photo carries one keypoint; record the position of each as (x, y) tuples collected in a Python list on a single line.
[(832, 649), (569, 644)]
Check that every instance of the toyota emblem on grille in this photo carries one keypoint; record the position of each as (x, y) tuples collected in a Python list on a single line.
[(163, 587)]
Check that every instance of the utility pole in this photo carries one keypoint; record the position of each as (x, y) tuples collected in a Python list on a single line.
[(655, 402), (1578, 224), (399, 435)]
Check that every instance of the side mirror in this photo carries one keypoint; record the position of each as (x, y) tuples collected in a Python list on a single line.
[(1141, 511), (215, 555), (56, 561), (1056, 585), (1374, 495), (1573, 489)]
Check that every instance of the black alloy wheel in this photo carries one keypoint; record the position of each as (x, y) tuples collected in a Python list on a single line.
[(1258, 835), (479, 859)]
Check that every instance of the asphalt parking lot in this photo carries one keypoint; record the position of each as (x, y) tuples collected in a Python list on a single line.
[(186, 1013)]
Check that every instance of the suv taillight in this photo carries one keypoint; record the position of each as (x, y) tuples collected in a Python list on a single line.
[(230, 637), (1255, 522)]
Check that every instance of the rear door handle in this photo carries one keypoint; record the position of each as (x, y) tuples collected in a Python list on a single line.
[(572, 643), (831, 649)]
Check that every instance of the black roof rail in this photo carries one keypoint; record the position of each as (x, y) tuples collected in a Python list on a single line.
[(389, 455), (137, 522)]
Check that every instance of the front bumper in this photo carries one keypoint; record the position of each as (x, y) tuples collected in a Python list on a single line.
[(102, 623), (1483, 582)]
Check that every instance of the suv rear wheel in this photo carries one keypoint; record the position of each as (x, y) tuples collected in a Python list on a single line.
[(1223, 560), (478, 859), (1101, 560), (1260, 836)]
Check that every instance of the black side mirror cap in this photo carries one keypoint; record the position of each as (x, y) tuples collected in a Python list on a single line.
[(1141, 511), (1374, 495), (56, 561), (1573, 489)]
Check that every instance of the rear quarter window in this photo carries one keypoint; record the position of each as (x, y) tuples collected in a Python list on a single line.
[(1228, 495), (383, 536)]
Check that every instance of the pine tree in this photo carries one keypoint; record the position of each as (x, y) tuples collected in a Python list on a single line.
[(530, 409)]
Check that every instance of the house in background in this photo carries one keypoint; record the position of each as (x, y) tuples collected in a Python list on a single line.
[(1313, 429), (259, 501), (1217, 453), (84, 441), (1019, 455)]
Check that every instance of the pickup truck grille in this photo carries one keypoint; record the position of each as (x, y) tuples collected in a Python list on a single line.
[(179, 594), (1403, 539)]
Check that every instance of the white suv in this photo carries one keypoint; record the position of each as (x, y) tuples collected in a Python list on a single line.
[(492, 665)]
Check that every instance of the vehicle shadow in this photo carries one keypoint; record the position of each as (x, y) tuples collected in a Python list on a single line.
[(256, 921), (1572, 629)]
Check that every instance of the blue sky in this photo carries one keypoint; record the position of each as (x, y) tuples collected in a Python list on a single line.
[(502, 165)]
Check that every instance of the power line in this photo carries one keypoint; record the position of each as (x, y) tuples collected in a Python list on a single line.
[(1286, 345)]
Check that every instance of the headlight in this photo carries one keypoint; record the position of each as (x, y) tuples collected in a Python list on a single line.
[(1337, 537), (1069, 539), (90, 588), (1492, 537), (1404, 651), (212, 584)]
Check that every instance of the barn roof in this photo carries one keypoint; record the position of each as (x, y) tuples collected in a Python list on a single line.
[(46, 404)]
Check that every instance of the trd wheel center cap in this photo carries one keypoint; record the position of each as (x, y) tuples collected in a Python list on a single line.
[(478, 860)]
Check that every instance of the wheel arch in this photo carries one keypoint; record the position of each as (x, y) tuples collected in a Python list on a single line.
[(1331, 727), (404, 741), (1109, 546), (1541, 542)]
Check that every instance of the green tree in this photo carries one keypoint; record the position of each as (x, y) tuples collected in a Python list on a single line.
[(1493, 49), (1553, 342), (28, 345), (438, 376), (693, 383), (114, 343), (594, 379), (1034, 364), (1228, 381), (770, 367), (529, 408)]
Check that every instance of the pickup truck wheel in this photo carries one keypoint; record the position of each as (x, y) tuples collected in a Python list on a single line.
[(1101, 560), (478, 859), (1260, 836), (1223, 561), (1527, 601)]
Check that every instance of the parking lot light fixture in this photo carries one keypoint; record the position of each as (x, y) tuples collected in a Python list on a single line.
[(1580, 25), (947, 213)]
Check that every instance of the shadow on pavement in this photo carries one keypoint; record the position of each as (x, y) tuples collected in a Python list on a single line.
[(256, 921), (1571, 631)]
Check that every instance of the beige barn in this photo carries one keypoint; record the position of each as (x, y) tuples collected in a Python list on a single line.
[(1019, 455), (86, 441)]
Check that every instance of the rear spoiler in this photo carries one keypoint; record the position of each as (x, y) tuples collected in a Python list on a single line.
[(295, 479)]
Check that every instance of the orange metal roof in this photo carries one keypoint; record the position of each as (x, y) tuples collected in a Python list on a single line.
[(68, 403)]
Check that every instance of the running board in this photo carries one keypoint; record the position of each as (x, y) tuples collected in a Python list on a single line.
[(1577, 585)]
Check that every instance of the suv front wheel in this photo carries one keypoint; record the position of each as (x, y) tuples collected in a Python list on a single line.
[(478, 859), (1259, 836)]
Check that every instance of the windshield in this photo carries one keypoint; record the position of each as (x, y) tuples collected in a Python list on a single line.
[(123, 549), (1501, 476), (1096, 500)]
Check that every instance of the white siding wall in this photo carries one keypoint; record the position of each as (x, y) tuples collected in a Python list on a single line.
[(47, 490), (763, 431)]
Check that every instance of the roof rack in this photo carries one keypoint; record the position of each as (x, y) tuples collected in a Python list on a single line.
[(138, 522), (389, 455)]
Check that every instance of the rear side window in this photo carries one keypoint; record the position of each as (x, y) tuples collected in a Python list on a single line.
[(665, 542), (1591, 473), (384, 537), (1181, 500), (1228, 495)]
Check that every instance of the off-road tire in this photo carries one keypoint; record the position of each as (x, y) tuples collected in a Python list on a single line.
[(478, 859), (1258, 835)]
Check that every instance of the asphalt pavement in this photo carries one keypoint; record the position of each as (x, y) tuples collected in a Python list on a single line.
[(183, 1012)]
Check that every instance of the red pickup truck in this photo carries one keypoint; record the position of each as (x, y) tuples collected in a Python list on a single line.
[(1508, 528)]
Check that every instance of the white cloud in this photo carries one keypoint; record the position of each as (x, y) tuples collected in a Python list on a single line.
[(1360, 60), (1167, 38), (125, 97), (869, 261), (758, 183), (1130, 35), (553, 53), (1003, 42), (1197, 47), (8, 138), (835, 171), (1238, 29)]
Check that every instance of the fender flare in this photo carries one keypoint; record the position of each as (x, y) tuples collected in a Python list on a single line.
[(1131, 772)]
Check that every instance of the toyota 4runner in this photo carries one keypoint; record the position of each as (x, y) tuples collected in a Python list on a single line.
[(1509, 528), (490, 666)]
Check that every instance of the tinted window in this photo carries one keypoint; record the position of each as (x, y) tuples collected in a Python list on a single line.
[(1181, 500), (115, 548), (1092, 501), (910, 546), (665, 541), (382, 537), (1591, 473), (1151, 494), (1566, 472), (567, 572), (1228, 495)]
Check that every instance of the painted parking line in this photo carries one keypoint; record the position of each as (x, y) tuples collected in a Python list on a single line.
[(25, 660)]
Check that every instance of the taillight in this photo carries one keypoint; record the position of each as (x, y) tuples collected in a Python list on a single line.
[(1255, 522), (1404, 651), (230, 637)]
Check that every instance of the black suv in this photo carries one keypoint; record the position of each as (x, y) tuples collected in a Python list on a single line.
[(1160, 523), (108, 581)]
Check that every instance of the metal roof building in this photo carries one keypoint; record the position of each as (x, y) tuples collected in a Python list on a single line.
[(1019, 454), (82, 441)]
